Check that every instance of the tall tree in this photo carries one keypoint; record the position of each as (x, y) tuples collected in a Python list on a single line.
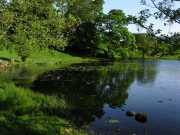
[(81, 16), (85, 10), (114, 27), (33, 23)]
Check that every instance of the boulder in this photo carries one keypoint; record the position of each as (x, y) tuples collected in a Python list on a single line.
[(141, 117)]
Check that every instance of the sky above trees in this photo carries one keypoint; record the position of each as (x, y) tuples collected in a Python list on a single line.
[(132, 7)]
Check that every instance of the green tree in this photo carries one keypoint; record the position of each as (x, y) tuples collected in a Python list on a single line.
[(85, 10), (37, 20), (142, 43), (149, 45), (115, 31), (81, 18)]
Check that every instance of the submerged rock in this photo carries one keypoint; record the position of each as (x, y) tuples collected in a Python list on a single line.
[(141, 117), (113, 121), (160, 101), (122, 110), (118, 130), (130, 113)]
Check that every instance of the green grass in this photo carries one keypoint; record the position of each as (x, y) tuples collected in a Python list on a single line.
[(171, 57), (44, 56), (23, 111), (8, 54), (51, 57)]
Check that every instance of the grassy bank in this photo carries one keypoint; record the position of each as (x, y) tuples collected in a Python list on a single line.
[(171, 57), (42, 56), (25, 112), (52, 58), (29, 113)]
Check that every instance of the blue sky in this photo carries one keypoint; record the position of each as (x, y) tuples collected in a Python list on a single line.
[(132, 7)]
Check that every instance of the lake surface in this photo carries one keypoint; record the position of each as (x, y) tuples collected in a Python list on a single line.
[(100, 94)]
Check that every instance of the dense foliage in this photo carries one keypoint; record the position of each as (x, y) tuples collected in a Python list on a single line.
[(74, 26), (78, 26), (27, 24)]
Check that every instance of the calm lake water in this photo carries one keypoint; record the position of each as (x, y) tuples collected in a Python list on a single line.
[(100, 94)]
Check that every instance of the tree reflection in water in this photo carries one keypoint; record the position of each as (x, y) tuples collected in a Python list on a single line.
[(148, 72), (87, 88)]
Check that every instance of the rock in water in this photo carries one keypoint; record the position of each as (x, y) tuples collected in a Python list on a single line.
[(130, 113), (141, 117)]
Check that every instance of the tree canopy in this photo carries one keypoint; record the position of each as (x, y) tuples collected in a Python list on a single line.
[(76, 26)]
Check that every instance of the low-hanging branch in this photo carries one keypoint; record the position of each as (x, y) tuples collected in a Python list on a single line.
[(175, 19)]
